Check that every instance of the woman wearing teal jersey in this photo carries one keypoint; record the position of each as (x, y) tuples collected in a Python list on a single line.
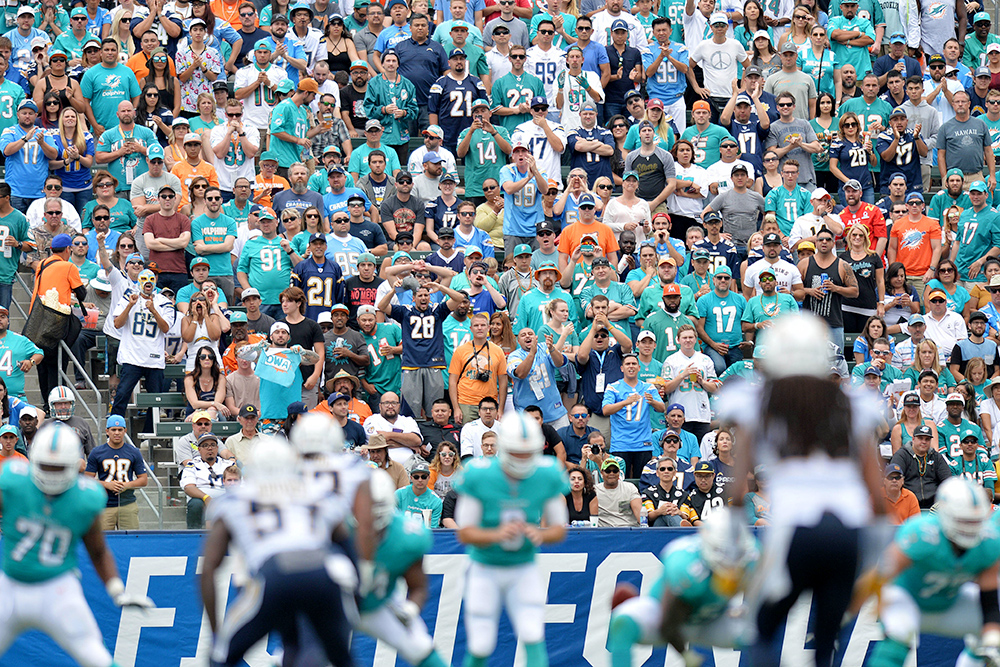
[(656, 116), (753, 21), (122, 216), (959, 299), (825, 125), (207, 117), (909, 420), (313, 224), (798, 30), (274, 7), (925, 358), (818, 61), (561, 329)]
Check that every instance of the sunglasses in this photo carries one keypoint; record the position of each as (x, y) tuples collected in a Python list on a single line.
[(600, 336), (205, 357), (619, 126), (552, 32), (404, 181), (127, 246), (601, 187), (52, 103), (936, 67), (246, 15), (770, 159), (419, 475), (166, 196), (850, 124), (53, 213), (582, 415), (337, 220), (665, 469), (786, 104), (79, 243), (106, 184), (446, 454), (941, 300), (584, 27), (102, 217), (53, 186), (946, 270), (489, 188), (234, 115), (517, 56), (543, 234), (152, 94)]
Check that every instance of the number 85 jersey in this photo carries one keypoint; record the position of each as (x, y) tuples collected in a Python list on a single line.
[(41, 532), (142, 343)]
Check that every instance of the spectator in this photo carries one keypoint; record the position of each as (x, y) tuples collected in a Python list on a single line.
[(263, 264), (618, 502), (474, 431), (240, 445), (492, 145), (544, 138), (902, 503), (976, 345), (631, 437), (167, 234), (944, 327), (242, 385), (600, 365), (26, 176), (916, 242), (401, 433), (289, 124), (9, 436), (119, 467), (24, 354), (789, 201), (527, 86), (923, 468), (469, 383), (255, 85), (575, 436), (664, 322), (825, 297), (391, 100), (654, 168), (663, 500), (205, 386), (533, 376), (377, 451), (722, 335), (106, 85), (690, 378), (287, 49), (201, 479), (973, 462), (704, 498), (234, 145), (575, 85), (416, 501), (978, 234), (718, 57), (791, 79), (964, 143), (441, 429), (581, 501)]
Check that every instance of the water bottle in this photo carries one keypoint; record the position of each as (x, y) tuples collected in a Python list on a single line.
[(823, 277), (643, 517)]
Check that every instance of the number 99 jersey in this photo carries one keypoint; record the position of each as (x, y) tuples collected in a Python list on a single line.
[(41, 532)]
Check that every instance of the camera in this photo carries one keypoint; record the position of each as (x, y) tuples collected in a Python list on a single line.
[(479, 117), (482, 376)]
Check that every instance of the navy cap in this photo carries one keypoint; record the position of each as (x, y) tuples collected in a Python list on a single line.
[(317, 237), (586, 199), (618, 24), (539, 101), (457, 53)]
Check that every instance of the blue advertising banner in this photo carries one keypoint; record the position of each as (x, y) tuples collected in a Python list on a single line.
[(580, 574)]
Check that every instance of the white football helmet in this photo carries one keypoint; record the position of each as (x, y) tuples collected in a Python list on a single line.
[(61, 395), (383, 493), (519, 433), (963, 508), (317, 435), (799, 346), (55, 458), (726, 542), (273, 469)]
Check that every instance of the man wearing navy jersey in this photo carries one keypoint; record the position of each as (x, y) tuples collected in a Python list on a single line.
[(320, 278), (591, 145), (901, 150), (423, 342), (457, 84), (749, 128), (722, 252)]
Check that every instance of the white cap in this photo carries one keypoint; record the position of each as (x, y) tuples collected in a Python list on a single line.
[(645, 333), (250, 291), (279, 326), (39, 41), (325, 316), (819, 193), (718, 17), (366, 310), (26, 10)]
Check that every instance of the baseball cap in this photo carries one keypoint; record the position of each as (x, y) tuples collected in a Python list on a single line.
[(448, 176), (955, 397), (643, 124), (895, 176), (446, 231), (983, 71), (893, 468), (954, 171), (135, 257), (237, 317), (743, 98), (922, 431), (671, 433), (539, 101), (654, 103), (788, 47), (978, 315), (249, 292), (718, 17), (916, 318), (600, 261), (911, 399), (297, 408), (154, 152), (520, 249), (518, 145), (630, 174), (935, 58), (546, 226), (671, 289), (753, 70), (432, 156), (969, 434), (586, 199), (457, 53), (198, 415), (192, 138), (263, 45), (317, 237), (704, 467), (28, 104), (712, 216), (337, 396), (359, 64), (700, 253), (279, 17), (367, 309), (632, 93), (115, 421), (819, 193), (610, 462), (340, 306), (279, 326), (873, 370), (471, 250), (981, 16), (674, 406), (666, 259), (285, 86), (897, 38), (366, 257), (61, 241), (937, 293), (373, 124), (198, 260), (767, 271), (400, 254), (308, 85), (618, 24), (898, 111), (206, 438), (324, 318), (645, 333), (739, 167), (249, 410), (853, 184), (723, 270), (927, 374), (180, 121), (220, 84), (994, 45), (420, 467), (25, 10), (914, 195), (433, 131), (978, 186), (701, 105)]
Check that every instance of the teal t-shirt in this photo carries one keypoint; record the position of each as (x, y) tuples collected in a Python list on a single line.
[(132, 165), (16, 225), (762, 308), (455, 333), (208, 230), (787, 206), (942, 201), (723, 316), (950, 436), (504, 499), (288, 117), (240, 216), (978, 231), (706, 143), (11, 96), (88, 271), (105, 87), (956, 301), (41, 533), (268, 267), (412, 505), (15, 348), (385, 374), (852, 55), (123, 217)]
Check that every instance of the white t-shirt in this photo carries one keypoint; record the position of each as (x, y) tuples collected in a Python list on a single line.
[(614, 506), (805, 226), (574, 97), (722, 173), (695, 29), (548, 160), (636, 32), (946, 332), (692, 396), (415, 164), (402, 425), (686, 205), (472, 437), (719, 62), (36, 214), (786, 274), (617, 215)]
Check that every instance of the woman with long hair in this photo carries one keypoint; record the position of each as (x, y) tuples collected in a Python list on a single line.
[(208, 114), (59, 82), (910, 418), (757, 502), (603, 188), (688, 199), (772, 175), (11, 407), (312, 223), (340, 49), (48, 116), (501, 332), (826, 129), (167, 85), (196, 196), (205, 387), (581, 501), (202, 326), (763, 54), (561, 328), (925, 358), (868, 270), (628, 212), (851, 156), (975, 381), (122, 34), (817, 60), (753, 21), (798, 29), (619, 130), (958, 298), (874, 329), (901, 300), (173, 152), (950, 230), (724, 462), (152, 113), (272, 8), (794, 419), (74, 157), (662, 129), (444, 468), (123, 217)]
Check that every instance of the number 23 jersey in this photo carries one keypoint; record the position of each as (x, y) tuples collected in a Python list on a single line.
[(41, 532)]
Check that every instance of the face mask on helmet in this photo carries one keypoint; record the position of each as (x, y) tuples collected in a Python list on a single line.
[(727, 548), (520, 444), (62, 403), (55, 458), (963, 508)]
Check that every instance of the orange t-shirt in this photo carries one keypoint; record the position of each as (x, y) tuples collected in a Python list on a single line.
[(570, 237), (230, 13), (914, 239), (902, 509), (229, 358), (261, 184), (16, 456), (357, 411), (139, 65), (186, 173), (59, 274), (490, 358)]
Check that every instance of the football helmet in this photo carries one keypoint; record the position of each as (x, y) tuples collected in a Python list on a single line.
[(963, 508), (55, 458), (58, 399), (800, 346), (317, 435), (383, 493), (519, 434)]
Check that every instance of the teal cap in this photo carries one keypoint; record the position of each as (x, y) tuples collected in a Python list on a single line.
[(268, 155), (400, 255), (981, 16), (522, 249), (80, 11), (237, 316), (286, 86), (723, 270), (198, 260), (263, 44), (978, 186), (954, 171)]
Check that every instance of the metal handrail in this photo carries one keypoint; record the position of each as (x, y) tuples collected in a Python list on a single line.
[(158, 509)]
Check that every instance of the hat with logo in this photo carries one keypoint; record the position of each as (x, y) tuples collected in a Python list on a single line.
[(115, 421), (893, 469), (671, 289), (548, 266), (853, 184), (519, 250), (897, 38), (28, 104), (337, 396), (788, 46), (249, 292), (197, 261), (433, 131), (723, 270), (922, 431), (358, 64), (600, 261), (969, 434), (743, 98), (192, 138), (366, 257), (447, 232), (873, 370), (586, 199), (646, 333), (611, 462), (898, 111), (618, 24), (249, 410), (539, 101), (237, 317), (699, 254), (546, 226), (718, 17), (457, 53), (198, 415), (279, 326), (753, 70), (955, 397), (978, 186), (154, 152), (420, 467), (666, 259), (935, 58), (704, 467), (297, 408), (317, 236), (981, 17), (373, 124), (915, 319)]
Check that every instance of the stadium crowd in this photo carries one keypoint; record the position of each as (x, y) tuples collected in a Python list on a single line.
[(416, 218)]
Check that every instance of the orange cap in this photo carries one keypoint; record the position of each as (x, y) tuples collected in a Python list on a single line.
[(701, 104)]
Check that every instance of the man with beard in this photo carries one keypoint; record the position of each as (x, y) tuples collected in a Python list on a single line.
[(383, 345), (423, 342), (299, 197), (255, 85), (143, 319), (767, 305), (952, 194), (287, 51), (651, 296), (401, 432), (376, 184), (456, 82), (859, 212), (360, 290), (123, 148), (665, 322), (145, 195), (352, 99), (345, 348), (233, 146), (214, 234), (320, 278), (531, 309), (240, 334), (400, 211)]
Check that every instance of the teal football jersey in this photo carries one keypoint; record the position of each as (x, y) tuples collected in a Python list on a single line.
[(938, 571), (505, 499), (41, 532), (405, 542), (687, 576)]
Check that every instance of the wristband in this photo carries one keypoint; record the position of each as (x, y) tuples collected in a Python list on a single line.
[(204, 498)]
